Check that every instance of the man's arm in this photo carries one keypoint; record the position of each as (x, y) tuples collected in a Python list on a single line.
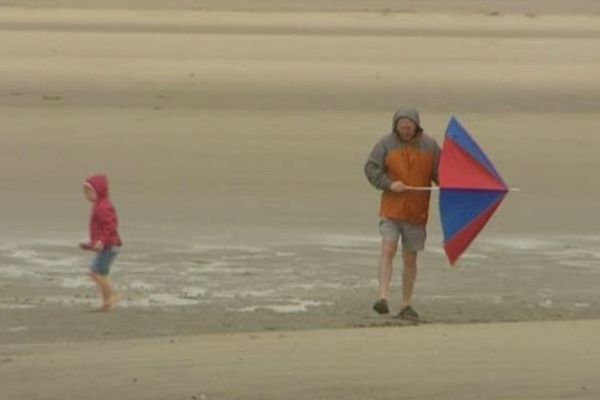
[(375, 167)]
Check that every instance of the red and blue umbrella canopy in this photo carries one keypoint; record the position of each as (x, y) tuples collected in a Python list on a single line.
[(470, 190)]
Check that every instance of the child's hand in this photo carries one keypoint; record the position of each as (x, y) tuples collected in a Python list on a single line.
[(99, 246), (85, 246)]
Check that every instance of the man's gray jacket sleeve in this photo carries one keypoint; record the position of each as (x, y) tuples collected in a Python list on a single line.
[(375, 167)]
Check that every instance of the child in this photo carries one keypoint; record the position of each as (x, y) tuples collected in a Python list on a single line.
[(104, 238)]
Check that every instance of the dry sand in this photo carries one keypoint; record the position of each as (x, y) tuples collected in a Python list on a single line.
[(544, 360), (487, 7), (234, 141)]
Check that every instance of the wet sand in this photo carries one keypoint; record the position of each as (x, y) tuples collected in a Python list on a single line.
[(319, 282)]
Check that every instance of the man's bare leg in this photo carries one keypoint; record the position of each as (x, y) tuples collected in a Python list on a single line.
[(409, 276), (386, 259)]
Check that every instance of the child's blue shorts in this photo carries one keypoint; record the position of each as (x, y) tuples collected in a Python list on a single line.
[(103, 260)]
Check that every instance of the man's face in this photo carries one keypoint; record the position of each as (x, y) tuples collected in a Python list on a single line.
[(406, 129)]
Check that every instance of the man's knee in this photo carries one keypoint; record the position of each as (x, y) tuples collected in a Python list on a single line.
[(410, 258), (389, 248)]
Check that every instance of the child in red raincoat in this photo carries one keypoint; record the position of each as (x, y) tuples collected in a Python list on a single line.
[(104, 237)]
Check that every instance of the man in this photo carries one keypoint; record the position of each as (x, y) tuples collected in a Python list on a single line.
[(404, 158)]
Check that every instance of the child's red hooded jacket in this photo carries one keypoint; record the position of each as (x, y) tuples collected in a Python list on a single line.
[(103, 221)]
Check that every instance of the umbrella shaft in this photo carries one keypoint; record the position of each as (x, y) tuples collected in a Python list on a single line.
[(432, 188)]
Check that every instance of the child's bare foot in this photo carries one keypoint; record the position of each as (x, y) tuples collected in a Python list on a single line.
[(111, 303)]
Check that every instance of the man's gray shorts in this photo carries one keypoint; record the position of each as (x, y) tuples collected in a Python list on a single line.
[(413, 236)]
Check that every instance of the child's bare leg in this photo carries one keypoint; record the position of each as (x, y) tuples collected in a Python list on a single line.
[(111, 298), (101, 287)]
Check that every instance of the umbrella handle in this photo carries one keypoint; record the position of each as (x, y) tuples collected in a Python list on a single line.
[(422, 188)]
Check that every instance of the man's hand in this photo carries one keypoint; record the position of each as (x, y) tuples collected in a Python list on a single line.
[(99, 246), (397, 187)]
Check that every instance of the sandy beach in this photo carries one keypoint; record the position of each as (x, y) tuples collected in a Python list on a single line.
[(234, 137), (490, 361)]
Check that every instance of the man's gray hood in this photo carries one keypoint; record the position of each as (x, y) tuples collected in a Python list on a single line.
[(410, 113)]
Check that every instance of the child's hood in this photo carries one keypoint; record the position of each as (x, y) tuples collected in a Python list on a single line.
[(100, 185)]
